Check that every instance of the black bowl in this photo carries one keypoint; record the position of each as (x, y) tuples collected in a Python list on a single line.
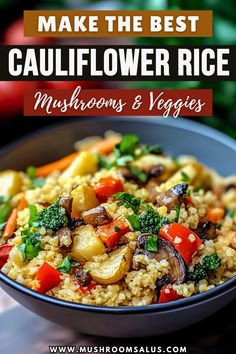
[(177, 137)]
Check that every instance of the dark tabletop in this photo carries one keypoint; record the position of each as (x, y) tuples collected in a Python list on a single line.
[(22, 332)]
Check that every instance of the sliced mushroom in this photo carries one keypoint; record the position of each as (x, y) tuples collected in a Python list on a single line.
[(206, 230), (152, 172), (65, 237), (155, 171), (127, 174), (151, 188), (172, 197), (164, 251), (230, 186), (66, 203), (96, 216), (81, 276)]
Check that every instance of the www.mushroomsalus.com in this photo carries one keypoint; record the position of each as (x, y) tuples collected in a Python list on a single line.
[(118, 349)]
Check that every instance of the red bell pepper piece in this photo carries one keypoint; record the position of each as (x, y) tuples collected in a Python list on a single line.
[(112, 231), (168, 294), (4, 254), (48, 277), (106, 187), (184, 240), (187, 200), (4, 251), (2, 262), (87, 289)]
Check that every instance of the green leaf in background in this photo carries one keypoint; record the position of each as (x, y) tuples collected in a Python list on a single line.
[(6, 3), (224, 32)]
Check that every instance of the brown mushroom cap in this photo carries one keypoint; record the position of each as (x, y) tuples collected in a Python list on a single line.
[(173, 196), (206, 230), (96, 216), (164, 251), (66, 203)]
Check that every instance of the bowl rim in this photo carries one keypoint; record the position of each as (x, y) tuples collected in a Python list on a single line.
[(208, 295), (183, 124)]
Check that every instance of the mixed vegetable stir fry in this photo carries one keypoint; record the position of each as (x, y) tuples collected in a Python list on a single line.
[(151, 226)]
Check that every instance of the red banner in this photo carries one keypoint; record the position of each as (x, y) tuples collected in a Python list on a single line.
[(84, 102)]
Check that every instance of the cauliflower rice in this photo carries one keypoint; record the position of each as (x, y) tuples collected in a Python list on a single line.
[(82, 253)]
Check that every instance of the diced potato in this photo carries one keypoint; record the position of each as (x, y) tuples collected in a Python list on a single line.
[(86, 244), (113, 268), (190, 172), (149, 160), (10, 183), (84, 198), (84, 164)]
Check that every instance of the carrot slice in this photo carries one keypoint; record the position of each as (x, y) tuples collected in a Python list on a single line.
[(105, 146), (59, 165), (22, 204), (215, 214), (11, 224)]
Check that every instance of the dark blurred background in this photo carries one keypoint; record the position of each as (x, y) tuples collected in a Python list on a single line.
[(13, 124)]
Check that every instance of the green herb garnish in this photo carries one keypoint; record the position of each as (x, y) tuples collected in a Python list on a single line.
[(30, 246), (151, 244), (66, 265), (177, 210), (150, 149), (31, 172), (185, 177), (4, 212), (197, 187), (127, 146), (33, 215), (123, 160), (87, 271), (229, 212), (4, 199), (188, 193), (138, 173), (36, 182), (117, 228), (129, 201), (2, 225), (134, 221)]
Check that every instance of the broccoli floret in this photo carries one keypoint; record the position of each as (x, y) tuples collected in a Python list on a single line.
[(151, 222), (209, 262), (52, 218), (198, 273)]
